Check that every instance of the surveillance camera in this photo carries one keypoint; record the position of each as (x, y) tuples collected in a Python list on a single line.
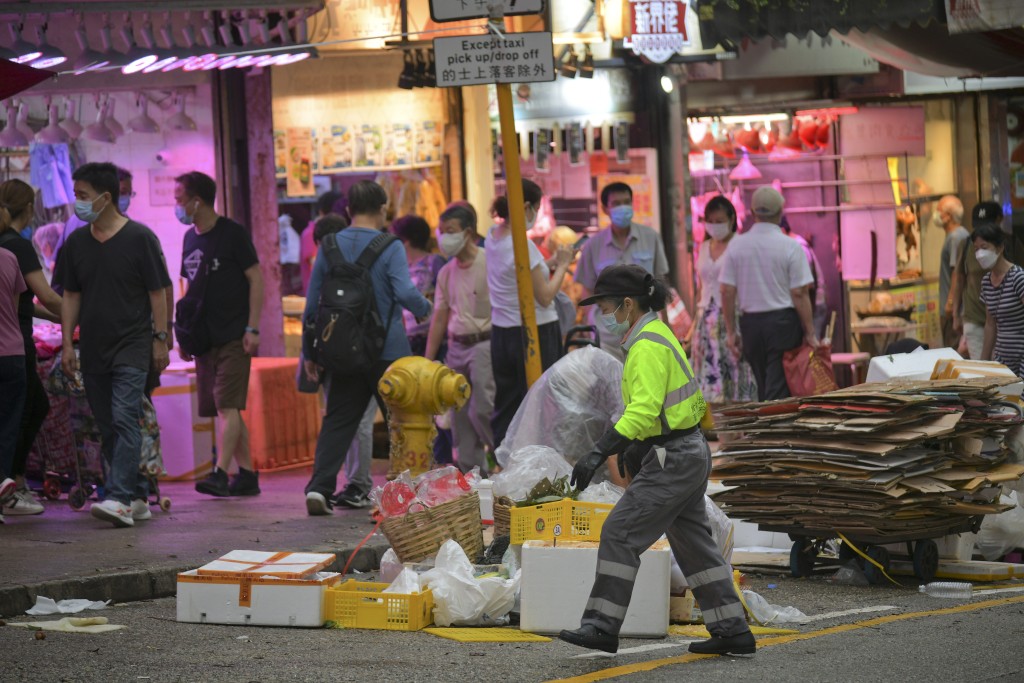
[(164, 156)]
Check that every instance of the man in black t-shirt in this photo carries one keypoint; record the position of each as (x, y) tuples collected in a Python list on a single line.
[(232, 299), (114, 279)]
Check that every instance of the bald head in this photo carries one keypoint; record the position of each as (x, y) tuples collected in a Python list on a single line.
[(951, 212)]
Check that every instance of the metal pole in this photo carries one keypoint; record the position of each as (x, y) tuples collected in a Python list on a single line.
[(517, 226)]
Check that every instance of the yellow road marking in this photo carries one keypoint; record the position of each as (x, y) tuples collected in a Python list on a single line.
[(626, 670)]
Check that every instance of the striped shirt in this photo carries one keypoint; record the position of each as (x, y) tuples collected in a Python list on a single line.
[(1005, 303)]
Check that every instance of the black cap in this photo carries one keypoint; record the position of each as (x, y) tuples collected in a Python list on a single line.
[(986, 213), (620, 281)]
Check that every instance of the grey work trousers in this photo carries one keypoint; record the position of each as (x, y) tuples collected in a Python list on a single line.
[(665, 497), (472, 422)]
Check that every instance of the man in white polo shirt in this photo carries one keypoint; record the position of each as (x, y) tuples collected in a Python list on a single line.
[(766, 274)]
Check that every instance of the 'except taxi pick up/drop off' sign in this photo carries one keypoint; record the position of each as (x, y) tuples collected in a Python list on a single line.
[(488, 58)]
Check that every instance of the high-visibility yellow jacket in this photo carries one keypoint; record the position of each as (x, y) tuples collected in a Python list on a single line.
[(658, 388)]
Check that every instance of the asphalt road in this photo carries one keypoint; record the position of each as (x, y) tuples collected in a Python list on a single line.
[(905, 637)]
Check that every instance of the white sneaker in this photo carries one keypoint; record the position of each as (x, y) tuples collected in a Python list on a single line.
[(7, 490), (113, 511), (24, 502), (317, 504), (140, 510)]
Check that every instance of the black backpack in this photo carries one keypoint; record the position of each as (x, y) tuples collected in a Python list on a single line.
[(349, 334)]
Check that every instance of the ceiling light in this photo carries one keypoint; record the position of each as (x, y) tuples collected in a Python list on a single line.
[(22, 121), (50, 56), (407, 80), (587, 67), (89, 59), (70, 123), (168, 55), (421, 69), (52, 133), (745, 170), (10, 136), (24, 51), (111, 122), (569, 68), (98, 131), (143, 123), (142, 56), (180, 120)]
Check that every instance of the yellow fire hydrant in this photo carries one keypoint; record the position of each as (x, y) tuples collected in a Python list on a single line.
[(415, 390)]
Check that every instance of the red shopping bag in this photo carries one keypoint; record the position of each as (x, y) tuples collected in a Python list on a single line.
[(809, 371)]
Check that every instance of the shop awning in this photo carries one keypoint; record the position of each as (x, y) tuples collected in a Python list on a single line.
[(17, 77), (735, 20)]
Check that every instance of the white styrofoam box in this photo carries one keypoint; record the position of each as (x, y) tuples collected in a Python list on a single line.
[(958, 547), (484, 490), (556, 584), (186, 440), (209, 599), (916, 365)]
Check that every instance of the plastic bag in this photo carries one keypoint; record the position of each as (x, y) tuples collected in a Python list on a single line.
[(809, 371), (605, 492), (568, 408), (396, 497), (390, 566), (435, 487), (462, 600), (850, 574), (999, 534), (766, 613), (525, 468), (405, 583)]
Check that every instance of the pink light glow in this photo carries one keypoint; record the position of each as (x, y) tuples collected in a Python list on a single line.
[(199, 62), (160, 65), (292, 58), (139, 64)]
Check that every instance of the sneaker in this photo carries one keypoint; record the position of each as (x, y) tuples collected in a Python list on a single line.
[(215, 484), (317, 504), (23, 502), (7, 490), (245, 483), (352, 498), (591, 637), (113, 511), (740, 645), (140, 510)]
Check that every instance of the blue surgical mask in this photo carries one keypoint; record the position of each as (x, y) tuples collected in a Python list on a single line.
[(85, 211), (614, 326), (182, 215), (123, 202), (621, 215)]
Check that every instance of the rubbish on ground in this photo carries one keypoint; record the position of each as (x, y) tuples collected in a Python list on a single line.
[(549, 491), (527, 467), (404, 494), (999, 534), (683, 609), (487, 635), (850, 574), (390, 566), (948, 589), (460, 599), (70, 625), (605, 492), (46, 605), (407, 582), (700, 631), (363, 604), (765, 613)]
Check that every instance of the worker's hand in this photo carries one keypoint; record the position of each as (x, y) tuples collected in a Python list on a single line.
[(312, 370), (161, 355), (69, 361), (732, 341), (811, 339), (585, 468), (184, 355)]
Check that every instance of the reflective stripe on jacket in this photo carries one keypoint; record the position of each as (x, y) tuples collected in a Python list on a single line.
[(658, 387)]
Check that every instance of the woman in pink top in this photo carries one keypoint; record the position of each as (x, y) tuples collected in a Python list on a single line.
[(12, 369)]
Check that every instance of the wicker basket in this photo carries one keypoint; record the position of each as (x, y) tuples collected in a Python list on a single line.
[(503, 516), (419, 535)]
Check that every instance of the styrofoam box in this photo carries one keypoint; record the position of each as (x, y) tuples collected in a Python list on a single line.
[(257, 602), (186, 440), (484, 489), (916, 365), (958, 547), (556, 584)]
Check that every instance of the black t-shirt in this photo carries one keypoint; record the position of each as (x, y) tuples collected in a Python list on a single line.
[(115, 279), (28, 262), (229, 250)]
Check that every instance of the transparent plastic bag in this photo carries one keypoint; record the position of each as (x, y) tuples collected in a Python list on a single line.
[(406, 583), (460, 599), (765, 613), (441, 485), (569, 407), (527, 467), (605, 492), (999, 534), (850, 574), (390, 566), (394, 498)]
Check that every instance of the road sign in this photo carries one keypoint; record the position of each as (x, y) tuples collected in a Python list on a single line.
[(488, 58), (454, 10)]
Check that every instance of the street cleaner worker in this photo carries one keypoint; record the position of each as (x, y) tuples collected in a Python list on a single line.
[(659, 440)]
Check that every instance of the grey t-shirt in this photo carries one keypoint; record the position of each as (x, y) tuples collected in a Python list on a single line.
[(951, 248)]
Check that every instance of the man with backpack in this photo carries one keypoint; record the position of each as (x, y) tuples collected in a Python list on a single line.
[(353, 327)]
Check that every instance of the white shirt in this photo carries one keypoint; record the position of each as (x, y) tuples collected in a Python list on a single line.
[(709, 270), (764, 264), (501, 281)]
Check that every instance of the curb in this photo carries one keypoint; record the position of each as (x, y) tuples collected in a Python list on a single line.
[(149, 584)]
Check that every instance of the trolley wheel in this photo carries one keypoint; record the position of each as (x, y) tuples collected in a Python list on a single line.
[(51, 488), (77, 497), (165, 503), (802, 557), (926, 559), (880, 555), (846, 553)]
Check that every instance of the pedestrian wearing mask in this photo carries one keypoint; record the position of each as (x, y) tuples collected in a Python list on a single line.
[(722, 376), (968, 311), (659, 441), (1002, 292)]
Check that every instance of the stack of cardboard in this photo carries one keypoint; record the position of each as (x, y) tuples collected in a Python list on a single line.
[(902, 459)]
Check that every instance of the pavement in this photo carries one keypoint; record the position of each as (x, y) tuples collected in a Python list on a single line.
[(64, 554)]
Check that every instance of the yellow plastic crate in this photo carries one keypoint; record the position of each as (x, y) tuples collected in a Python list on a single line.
[(363, 604), (566, 520)]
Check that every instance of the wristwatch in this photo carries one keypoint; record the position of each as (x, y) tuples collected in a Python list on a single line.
[(160, 336), (252, 330)]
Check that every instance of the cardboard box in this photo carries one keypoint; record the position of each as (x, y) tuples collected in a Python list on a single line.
[(683, 609), (208, 599), (186, 440), (969, 369), (917, 365), (556, 584)]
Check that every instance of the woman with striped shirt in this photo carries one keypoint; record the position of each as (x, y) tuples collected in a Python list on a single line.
[(1002, 292)]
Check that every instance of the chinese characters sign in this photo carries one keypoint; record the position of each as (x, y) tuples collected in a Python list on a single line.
[(658, 29), (453, 10), (481, 59)]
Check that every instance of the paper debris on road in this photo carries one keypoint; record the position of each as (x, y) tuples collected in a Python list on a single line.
[(70, 625), (46, 605)]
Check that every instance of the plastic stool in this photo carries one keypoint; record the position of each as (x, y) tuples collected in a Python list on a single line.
[(857, 362)]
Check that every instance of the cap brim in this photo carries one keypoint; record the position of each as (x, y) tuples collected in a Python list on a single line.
[(592, 299)]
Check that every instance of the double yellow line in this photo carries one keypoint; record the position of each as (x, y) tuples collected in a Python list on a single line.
[(640, 667)]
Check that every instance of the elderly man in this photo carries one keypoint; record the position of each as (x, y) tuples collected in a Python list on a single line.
[(949, 215), (766, 274)]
